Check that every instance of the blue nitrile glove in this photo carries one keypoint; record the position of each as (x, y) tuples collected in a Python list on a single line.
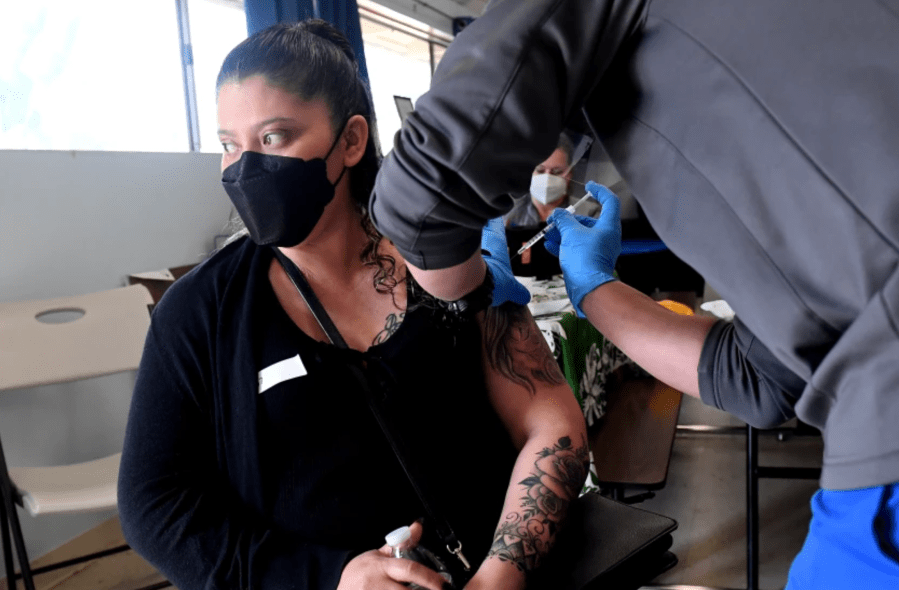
[(587, 248), (496, 254)]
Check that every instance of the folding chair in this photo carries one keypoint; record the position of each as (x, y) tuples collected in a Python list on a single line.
[(35, 350)]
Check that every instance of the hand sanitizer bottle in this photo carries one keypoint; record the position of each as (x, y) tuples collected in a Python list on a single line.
[(396, 538)]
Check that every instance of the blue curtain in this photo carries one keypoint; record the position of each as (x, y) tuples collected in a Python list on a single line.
[(343, 14)]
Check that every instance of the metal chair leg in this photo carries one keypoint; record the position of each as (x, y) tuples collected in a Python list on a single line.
[(7, 548), (19, 541), (12, 515), (614, 492), (752, 508)]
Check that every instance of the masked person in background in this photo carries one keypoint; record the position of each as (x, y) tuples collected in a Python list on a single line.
[(252, 457), (549, 190), (760, 138)]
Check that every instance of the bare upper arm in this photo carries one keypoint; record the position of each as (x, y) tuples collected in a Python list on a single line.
[(525, 384)]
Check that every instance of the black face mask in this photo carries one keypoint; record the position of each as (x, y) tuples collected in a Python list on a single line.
[(279, 199)]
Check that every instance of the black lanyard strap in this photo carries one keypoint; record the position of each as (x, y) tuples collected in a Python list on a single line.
[(453, 545), (305, 290)]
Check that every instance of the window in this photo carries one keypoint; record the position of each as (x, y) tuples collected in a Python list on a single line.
[(400, 54), (108, 75), (79, 76), (216, 27)]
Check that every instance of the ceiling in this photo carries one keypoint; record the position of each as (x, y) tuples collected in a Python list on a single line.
[(475, 6), (436, 13)]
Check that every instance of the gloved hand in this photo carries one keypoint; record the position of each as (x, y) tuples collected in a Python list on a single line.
[(587, 248), (496, 254)]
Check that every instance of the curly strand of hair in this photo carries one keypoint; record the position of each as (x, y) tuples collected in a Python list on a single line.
[(385, 280)]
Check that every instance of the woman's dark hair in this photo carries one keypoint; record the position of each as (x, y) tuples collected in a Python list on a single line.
[(313, 60)]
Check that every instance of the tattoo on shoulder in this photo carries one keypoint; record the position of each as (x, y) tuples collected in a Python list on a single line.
[(525, 536), (393, 324), (516, 347)]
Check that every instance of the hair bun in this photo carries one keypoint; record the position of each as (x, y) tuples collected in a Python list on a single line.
[(327, 31)]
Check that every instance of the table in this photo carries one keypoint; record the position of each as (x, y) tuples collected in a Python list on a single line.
[(158, 281), (632, 444)]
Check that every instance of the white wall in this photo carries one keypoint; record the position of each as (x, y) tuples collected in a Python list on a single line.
[(78, 222), (75, 222)]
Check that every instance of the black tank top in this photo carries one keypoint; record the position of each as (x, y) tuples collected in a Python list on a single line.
[(329, 475)]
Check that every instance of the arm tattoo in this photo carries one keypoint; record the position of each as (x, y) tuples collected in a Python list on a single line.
[(516, 347), (393, 324), (524, 537)]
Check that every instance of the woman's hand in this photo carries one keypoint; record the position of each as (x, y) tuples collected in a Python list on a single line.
[(379, 570)]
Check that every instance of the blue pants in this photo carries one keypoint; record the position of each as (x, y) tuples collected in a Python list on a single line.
[(852, 542)]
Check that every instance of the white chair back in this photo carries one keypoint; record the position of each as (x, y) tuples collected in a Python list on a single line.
[(107, 338)]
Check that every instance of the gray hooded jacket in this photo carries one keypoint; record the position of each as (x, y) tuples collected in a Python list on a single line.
[(761, 139)]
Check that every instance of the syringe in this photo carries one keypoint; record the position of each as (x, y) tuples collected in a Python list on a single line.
[(542, 232)]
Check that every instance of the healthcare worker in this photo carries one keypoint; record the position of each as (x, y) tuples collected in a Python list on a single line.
[(761, 139), (550, 189)]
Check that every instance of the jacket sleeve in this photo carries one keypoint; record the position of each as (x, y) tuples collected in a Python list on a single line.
[(739, 375), (501, 95), (180, 513)]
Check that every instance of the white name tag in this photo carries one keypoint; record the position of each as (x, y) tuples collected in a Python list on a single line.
[(280, 372)]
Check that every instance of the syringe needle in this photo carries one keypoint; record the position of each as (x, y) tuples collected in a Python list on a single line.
[(535, 239), (542, 232)]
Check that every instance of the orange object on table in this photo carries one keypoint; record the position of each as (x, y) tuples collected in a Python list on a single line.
[(676, 307)]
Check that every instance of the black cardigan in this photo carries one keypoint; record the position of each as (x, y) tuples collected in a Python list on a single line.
[(224, 487)]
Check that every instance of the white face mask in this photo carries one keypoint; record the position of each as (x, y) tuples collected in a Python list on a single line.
[(546, 188)]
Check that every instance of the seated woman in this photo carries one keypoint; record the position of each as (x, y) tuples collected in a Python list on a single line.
[(253, 458), (550, 185)]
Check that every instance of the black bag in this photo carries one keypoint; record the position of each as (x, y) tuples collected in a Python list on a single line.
[(604, 543), (607, 544)]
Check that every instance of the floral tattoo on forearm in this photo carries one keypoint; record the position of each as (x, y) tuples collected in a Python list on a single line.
[(516, 347), (524, 537)]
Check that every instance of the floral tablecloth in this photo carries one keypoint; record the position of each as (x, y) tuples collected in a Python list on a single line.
[(587, 359)]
